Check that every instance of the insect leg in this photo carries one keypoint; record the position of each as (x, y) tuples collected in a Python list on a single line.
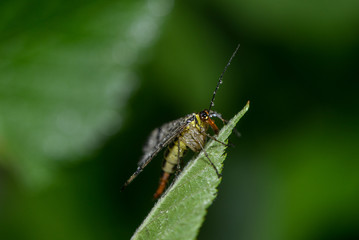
[(219, 175), (178, 170), (218, 115), (205, 153), (215, 139), (203, 131)]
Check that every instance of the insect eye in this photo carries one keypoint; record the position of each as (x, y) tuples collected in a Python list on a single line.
[(203, 115)]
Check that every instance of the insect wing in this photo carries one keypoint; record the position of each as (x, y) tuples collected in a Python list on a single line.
[(161, 137)]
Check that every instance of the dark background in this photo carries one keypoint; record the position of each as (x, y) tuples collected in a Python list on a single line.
[(82, 84)]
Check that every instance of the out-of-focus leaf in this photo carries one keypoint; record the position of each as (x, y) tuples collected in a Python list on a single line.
[(66, 72)]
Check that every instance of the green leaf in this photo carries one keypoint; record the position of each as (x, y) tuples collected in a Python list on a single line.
[(66, 72), (180, 212)]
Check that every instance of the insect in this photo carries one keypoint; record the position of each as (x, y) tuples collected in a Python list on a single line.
[(189, 132)]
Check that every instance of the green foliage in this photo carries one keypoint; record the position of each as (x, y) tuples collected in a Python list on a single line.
[(180, 212), (65, 82), (83, 82)]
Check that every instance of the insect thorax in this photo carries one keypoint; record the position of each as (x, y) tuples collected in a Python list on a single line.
[(192, 137)]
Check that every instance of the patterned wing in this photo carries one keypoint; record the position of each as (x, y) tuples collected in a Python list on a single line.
[(161, 137)]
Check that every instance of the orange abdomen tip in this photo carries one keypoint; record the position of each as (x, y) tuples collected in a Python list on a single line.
[(162, 185)]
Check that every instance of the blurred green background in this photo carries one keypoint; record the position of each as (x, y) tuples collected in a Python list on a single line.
[(82, 83)]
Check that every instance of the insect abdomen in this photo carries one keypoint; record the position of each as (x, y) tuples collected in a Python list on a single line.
[(173, 155)]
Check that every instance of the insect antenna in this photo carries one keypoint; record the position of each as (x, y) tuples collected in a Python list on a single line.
[(221, 77)]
